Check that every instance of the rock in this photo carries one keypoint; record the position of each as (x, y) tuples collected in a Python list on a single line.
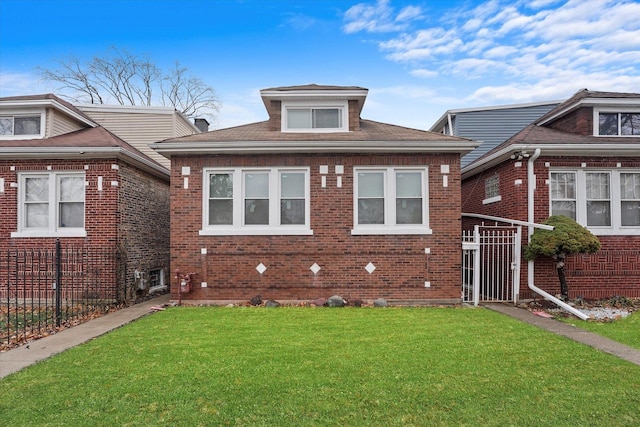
[(380, 302), (356, 302), (272, 303), (257, 300), (336, 301), (319, 302)]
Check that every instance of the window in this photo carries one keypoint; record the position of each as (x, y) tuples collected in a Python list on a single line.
[(51, 204), (492, 190), (256, 201), (630, 199), (390, 201), (606, 202), (623, 124), (325, 117), (20, 125)]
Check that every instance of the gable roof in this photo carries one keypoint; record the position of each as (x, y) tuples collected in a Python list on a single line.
[(258, 138)]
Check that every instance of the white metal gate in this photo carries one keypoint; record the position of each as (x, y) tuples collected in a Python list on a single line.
[(491, 264)]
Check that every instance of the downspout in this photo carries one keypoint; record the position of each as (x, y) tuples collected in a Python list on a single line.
[(531, 187), (450, 122)]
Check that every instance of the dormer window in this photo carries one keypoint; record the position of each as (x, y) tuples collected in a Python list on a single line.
[(618, 124), (20, 126), (303, 117)]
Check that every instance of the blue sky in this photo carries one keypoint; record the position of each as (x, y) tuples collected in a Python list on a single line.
[(417, 58)]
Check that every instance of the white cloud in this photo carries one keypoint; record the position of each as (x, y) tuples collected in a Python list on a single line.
[(379, 17), (539, 49), (19, 84), (424, 74)]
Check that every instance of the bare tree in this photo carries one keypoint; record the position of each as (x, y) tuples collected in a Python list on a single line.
[(126, 79)]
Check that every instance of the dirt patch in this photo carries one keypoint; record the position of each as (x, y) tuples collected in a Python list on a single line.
[(605, 310)]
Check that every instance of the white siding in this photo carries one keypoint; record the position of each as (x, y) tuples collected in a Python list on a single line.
[(59, 124)]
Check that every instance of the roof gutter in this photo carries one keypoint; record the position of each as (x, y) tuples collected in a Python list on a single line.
[(84, 153), (260, 147), (606, 150)]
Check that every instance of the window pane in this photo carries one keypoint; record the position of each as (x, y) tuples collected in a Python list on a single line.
[(299, 118), (256, 185), (6, 125), (597, 185), (37, 189), (221, 212), (409, 184), (630, 123), (27, 125), (71, 215), (492, 187), (326, 118), (37, 215), (563, 186), (370, 184), (630, 186), (71, 189), (608, 124), (220, 186), (408, 211), (256, 212), (598, 213), (564, 208), (292, 184), (630, 213), (370, 211), (292, 211)]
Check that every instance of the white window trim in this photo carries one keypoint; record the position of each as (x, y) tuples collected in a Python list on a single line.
[(53, 230), (390, 204), (26, 112), (238, 228), (618, 110), (615, 229), (342, 106), (490, 200)]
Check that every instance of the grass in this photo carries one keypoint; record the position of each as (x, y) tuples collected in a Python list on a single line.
[(626, 331), (196, 366)]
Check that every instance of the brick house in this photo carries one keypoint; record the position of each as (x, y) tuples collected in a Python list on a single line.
[(64, 176), (316, 201), (581, 159)]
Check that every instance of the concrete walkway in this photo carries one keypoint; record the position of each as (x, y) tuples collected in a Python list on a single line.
[(20, 357), (572, 332)]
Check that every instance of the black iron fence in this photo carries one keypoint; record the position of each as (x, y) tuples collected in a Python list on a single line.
[(43, 290)]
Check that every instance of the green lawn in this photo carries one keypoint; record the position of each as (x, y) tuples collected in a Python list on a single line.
[(191, 366), (625, 330)]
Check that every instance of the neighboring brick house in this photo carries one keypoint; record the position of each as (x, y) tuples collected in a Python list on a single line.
[(314, 202), (63, 176), (581, 159)]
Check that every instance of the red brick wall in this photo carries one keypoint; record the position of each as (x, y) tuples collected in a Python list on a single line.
[(614, 270), (143, 225), (130, 217), (402, 266), (579, 122)]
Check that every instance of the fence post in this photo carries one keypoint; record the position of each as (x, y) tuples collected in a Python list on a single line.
[(58, 284)]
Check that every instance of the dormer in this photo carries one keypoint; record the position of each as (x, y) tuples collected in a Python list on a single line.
[(314, 108), (38, 117), (603, 114)]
